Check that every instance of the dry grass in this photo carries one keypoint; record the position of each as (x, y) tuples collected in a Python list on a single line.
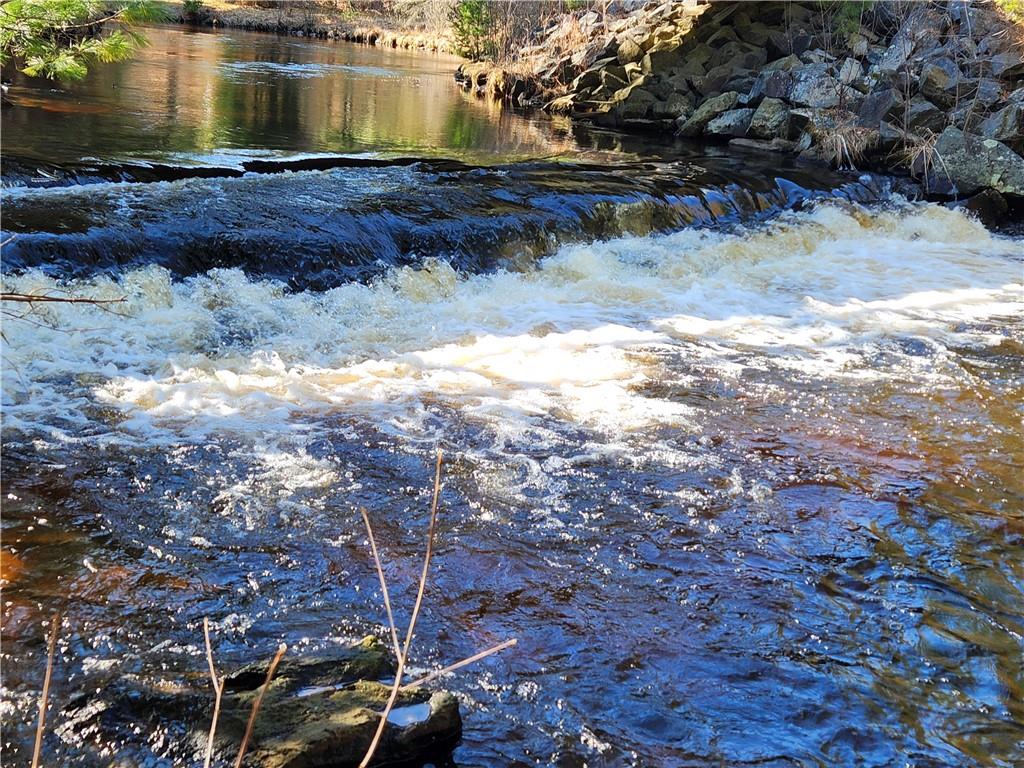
[(845, 144), (920, 156)]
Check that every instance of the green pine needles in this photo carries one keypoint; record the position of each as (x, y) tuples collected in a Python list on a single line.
[(61, 39)]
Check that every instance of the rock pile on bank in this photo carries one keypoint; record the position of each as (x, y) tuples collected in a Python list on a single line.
[(934, 88)]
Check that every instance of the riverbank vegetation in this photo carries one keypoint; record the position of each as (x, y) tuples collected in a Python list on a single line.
[(61, 39)]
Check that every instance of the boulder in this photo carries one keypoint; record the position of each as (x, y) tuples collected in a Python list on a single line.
[(770, 120), (785, 64), (883, 104), (632, 102), (1007, 65), (921, 114), (732, 123), (1006, 125), (755, 34), (939, 80), (774, 84), (695, 124), (629, 51), (850, 71), (614, 78), (814, 87), (971, 163), (317, 711), (675, 106), (988, 206)]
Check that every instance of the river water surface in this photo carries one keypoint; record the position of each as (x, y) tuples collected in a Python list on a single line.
[(734, 450)]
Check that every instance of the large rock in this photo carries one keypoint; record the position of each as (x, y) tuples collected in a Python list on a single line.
[(733, 123), (814, 87), (966, 164), (939, 80), (770, 120), (1006, 125), (316, 711), (1008, 66), (633, 102), (695, 124), (629, 51), (773, 84), (675, 106), (921, 114), (883, 104)]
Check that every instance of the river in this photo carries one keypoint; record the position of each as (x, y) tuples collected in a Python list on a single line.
[(733, 447)]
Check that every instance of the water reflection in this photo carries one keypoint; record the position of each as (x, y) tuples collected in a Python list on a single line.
[(196, 93)]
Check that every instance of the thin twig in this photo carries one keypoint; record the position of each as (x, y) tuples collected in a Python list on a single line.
[(458, 665), (383, 583), (218, 689), (45, 695), (32, 298), (397, 686), (256, 704)]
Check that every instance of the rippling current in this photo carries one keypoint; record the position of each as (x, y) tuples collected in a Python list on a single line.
[(733, 450), (745, 497)]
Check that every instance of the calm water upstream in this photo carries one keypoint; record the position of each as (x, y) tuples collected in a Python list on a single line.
[(735, 450)]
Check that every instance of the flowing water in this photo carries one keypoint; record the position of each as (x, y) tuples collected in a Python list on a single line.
[(733, 450)]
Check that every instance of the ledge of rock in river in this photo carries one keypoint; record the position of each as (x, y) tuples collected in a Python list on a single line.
[(316, 712), (937, 91)]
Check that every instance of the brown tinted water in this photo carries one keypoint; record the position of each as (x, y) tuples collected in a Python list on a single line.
[(748, 493)]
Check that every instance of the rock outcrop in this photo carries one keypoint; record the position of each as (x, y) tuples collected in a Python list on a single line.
[(877, 89)]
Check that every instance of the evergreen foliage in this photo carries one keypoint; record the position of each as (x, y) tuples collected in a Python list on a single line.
[(61, 39)]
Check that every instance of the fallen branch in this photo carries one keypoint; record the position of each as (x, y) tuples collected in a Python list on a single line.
[(45, 695), (459, 664), (218, 689), (257, 702), (397, 686), (383, 583), (33, 298)]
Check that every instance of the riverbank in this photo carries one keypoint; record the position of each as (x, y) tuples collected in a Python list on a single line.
[(307, 20), (932, 90)]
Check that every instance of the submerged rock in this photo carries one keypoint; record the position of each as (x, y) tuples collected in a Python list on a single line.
[(316, 712)]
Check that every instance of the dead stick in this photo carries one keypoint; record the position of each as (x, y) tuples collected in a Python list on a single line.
[(44, 697), (383, 583), (256, 704), (32, 298), (459, 664), (412, 622), (218, 689)]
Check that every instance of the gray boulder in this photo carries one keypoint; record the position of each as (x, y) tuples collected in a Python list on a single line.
[(774, 84), (939, 80), (966, 164), (1007, 65), (770, 120), (921, 114), (814, 87), (733, 123), (1006, 125), (884, 104), (695, 124)]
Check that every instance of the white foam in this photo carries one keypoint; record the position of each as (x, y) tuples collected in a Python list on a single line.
[(572, 343)]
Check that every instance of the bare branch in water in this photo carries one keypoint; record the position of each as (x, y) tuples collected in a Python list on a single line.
[(34, 298), (256, 704), (383, 583), (218, 689), (459, 664), (45, 695), (412, 622)]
